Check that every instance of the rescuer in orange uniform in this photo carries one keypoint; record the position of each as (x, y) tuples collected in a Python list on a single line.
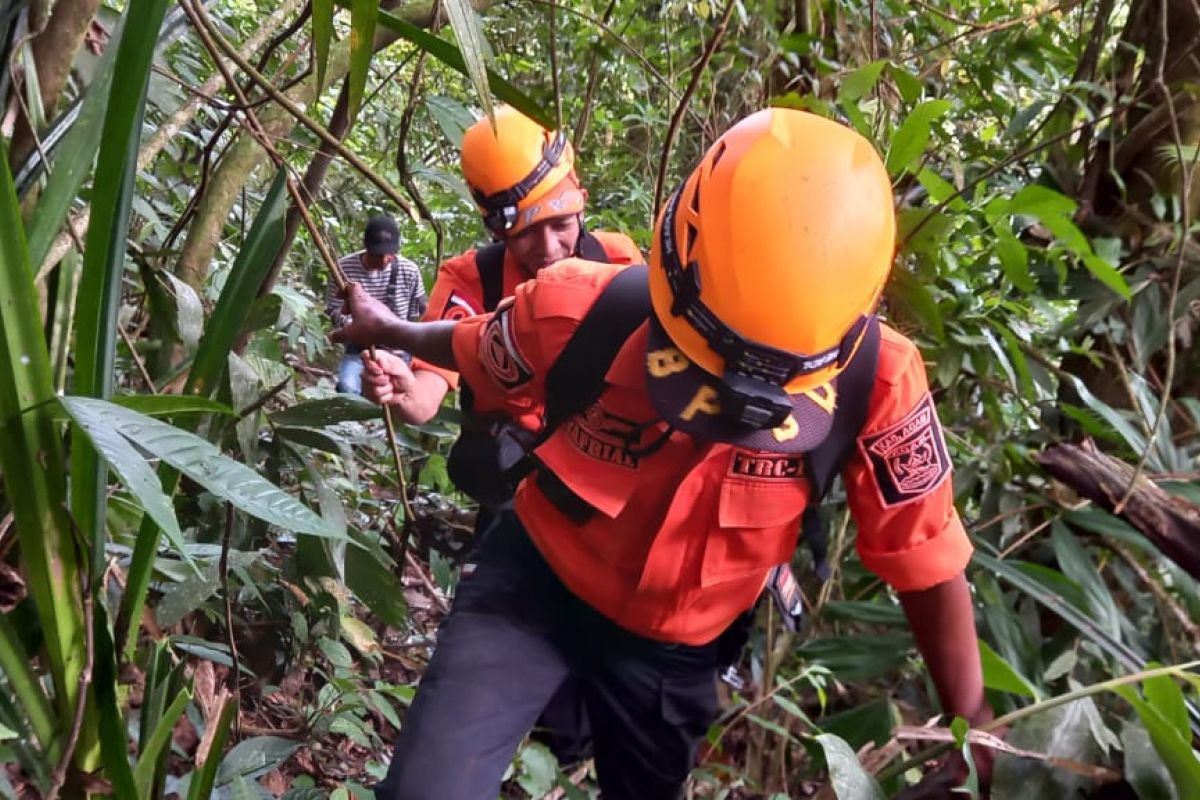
[(650, 520), (523, 179)]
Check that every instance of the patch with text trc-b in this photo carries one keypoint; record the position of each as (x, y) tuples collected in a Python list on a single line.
[(908, 460), (502, 357)]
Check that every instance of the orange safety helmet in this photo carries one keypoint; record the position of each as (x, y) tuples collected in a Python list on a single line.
[(519, 173), (765, 269)]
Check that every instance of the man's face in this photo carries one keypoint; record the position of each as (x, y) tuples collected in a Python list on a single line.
[(545, 242), (373, 262)]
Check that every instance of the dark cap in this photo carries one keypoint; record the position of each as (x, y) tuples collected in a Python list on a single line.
[(382, 235)]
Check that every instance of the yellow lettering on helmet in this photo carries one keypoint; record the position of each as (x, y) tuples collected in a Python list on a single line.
[(787, 431), (705, 400), (825, 396), (666, 362)]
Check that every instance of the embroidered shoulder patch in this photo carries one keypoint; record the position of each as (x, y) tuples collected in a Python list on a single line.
[(909, 459), (502, 357), (457, 307)]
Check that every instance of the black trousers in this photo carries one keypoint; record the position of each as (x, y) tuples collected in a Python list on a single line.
[(514, 637)]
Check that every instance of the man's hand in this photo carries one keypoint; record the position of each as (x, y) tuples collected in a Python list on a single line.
[(370, 322), (388, 381), (386, 378)]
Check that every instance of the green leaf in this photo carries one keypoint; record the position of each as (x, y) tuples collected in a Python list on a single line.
[(374, 581), (203, 779), (916, 301), (1164, 694), (1113, 417), (330, 411), (31, 461), (112, 731), (868, 722), (166, 405), (451, 116), (998, 674), (1107, 274), (910, 85), (858, 83), (1041, 202), (1144, 770), (207, 466), (363, 17), (148, 758), (134, 472), (913, 135), (250, 268), (864, 611), (336, 652), (1014, 260), (257, 754), (473, 47), (1175, 751), (104, 256), (855, 658), (538, 768), (850, 780), (74, 157), (1049, 597), (322, 35), (1077, 565)]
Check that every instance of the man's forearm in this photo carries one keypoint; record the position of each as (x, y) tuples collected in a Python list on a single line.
[(943, 623), (428, 341)]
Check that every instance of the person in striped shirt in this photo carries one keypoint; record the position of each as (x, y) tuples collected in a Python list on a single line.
[(388, 277)]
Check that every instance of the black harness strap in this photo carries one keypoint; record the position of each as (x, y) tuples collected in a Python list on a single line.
[(826, 462), (577, 378), (489, 262)]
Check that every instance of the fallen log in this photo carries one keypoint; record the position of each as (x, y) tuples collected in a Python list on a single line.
[(1170, 522)]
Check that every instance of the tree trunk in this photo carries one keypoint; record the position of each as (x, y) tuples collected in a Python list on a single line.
[(1170, 522), (53, 52)]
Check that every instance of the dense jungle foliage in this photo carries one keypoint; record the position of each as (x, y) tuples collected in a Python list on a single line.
[(216, 577)]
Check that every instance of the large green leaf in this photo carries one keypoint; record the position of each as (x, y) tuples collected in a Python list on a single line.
[(165, 405), (473, 48), (363, 16), (850, 779), (1050, 598), (104, 258), (201, 461), (322, 35), (327, 411), (203, 779), (1077, 565), (148, 758), (1174, 750), (998, 674), (74, 156), (31, 458), (250, 268), (129, 465)]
